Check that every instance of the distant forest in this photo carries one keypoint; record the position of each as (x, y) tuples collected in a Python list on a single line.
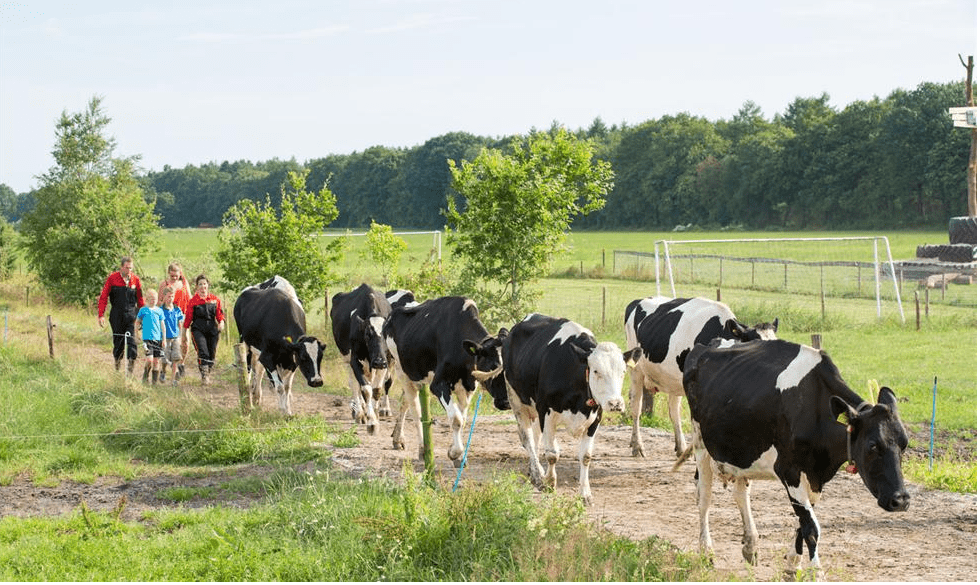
[(896, 162)]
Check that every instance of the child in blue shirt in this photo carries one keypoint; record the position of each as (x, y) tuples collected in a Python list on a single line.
[(150, 321), (173, 317)]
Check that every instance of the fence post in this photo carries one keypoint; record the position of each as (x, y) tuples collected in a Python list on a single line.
[(816, 340), (927, 302), (603, 306), (427, 457), (603, 258), (917, 318), (718, 294), (50, 337), (244, 395), (326, 310)]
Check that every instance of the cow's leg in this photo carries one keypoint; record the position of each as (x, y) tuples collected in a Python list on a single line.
[(527, 433), (456, 413), (384, 405), (704, 479), (285, 390), (355, 379), (585, 459), (674, 406), (551, 451), (636, 407), (750, 536), (809, 530), (410, 399)]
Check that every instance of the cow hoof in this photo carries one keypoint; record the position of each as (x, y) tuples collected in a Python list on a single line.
[(384, 412), (638, 451), (372, 429), (751, 557)]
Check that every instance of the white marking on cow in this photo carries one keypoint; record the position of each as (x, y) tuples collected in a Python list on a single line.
[(467, 304), (802, 364), (606, 372), (569, 329)]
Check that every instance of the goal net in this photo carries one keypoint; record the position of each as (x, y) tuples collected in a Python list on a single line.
[(839, 267)]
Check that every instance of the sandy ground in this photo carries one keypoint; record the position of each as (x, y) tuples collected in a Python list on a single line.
[(935, 540)]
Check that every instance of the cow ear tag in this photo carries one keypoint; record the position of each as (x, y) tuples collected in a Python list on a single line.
[(288, 339), (851, 466)]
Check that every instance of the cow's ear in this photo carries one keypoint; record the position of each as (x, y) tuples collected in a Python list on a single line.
[(632, 357), (580, 352), (887, 397), (502, 333), (735, 328), (838, 406), (471, 347), (775, 325)]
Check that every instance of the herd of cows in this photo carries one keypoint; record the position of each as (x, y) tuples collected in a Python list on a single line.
[(761, 408)]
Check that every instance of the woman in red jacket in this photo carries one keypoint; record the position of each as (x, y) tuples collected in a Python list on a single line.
[(206, 321)]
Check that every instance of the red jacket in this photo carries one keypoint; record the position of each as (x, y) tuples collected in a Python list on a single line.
[(195, 301), (125, 297)]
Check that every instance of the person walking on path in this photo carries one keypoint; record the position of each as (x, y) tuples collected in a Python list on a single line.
[(206, 321), (125, 292), (150, 321), (173, 318), (176, 280)]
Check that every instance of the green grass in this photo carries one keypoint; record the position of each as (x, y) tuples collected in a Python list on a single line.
[(318, 527)]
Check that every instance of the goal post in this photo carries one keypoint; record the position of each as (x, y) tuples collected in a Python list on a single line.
[(835, 266)]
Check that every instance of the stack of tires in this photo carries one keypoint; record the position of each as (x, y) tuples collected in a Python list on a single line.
[(962, 245)]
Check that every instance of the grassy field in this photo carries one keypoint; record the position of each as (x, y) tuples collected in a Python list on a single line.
[(393, 532)]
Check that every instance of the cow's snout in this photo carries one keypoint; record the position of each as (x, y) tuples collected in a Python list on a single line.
[(615, 405), (316, 382), (898, 502), (379, 364)]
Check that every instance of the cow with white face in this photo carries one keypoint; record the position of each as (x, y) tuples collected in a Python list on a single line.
[(666, 329), (770, 410), (442, 343), (272, 325), (357, 318), (558, 374)]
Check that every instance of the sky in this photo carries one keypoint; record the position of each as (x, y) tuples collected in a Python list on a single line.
[(191, 82)]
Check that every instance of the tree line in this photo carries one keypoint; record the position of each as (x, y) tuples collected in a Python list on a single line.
[(896, 162)]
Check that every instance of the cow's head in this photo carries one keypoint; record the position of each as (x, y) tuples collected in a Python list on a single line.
[(308, 353), (487, 354), (739, 332), (368, 332), (605, 368), (876, 440)]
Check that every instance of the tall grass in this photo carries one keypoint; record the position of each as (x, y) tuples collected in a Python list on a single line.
[(318, 527)]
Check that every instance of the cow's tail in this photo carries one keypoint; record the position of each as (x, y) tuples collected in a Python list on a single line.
[(683, 457)]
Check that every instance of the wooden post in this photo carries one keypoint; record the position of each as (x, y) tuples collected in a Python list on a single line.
[(50, 337), (603, 258), (603, 307), (816, 340), (244, 392), (918, 320), (718, 294), (326, 310), (927, 302), (971, 165), (721, 272), (427, 457)]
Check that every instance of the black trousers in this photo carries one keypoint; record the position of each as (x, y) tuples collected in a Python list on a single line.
[(206, 343), (122, 343)]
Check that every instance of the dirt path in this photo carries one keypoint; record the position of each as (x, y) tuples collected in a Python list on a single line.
[(936, 540)]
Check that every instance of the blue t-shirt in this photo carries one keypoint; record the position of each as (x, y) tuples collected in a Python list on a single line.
[(173, 318), (152, 320)]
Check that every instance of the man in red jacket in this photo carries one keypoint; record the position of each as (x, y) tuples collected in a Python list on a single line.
[(124, 291)]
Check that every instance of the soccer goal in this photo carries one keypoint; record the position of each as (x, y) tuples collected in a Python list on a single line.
[(843, 267)]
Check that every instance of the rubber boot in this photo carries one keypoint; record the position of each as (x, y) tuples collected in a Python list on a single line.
[(118, 364), (205, 378), (156, 377), (146, 374), (163, 374), (131, 366), (180, 373)]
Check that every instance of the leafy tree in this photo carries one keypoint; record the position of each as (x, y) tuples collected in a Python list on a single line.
[(7, 239), (8, 201), (90, 210), (256, 241), (518, 208), (385, 249)]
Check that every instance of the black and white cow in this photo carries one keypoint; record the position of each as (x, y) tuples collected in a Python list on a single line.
[(272, 325), (557, 373), (769, 410), (442, 343), (665, 328), (357, 318)]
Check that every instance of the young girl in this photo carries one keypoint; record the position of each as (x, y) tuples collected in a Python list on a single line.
[(150, 320), (182, 292), (206, 321)]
